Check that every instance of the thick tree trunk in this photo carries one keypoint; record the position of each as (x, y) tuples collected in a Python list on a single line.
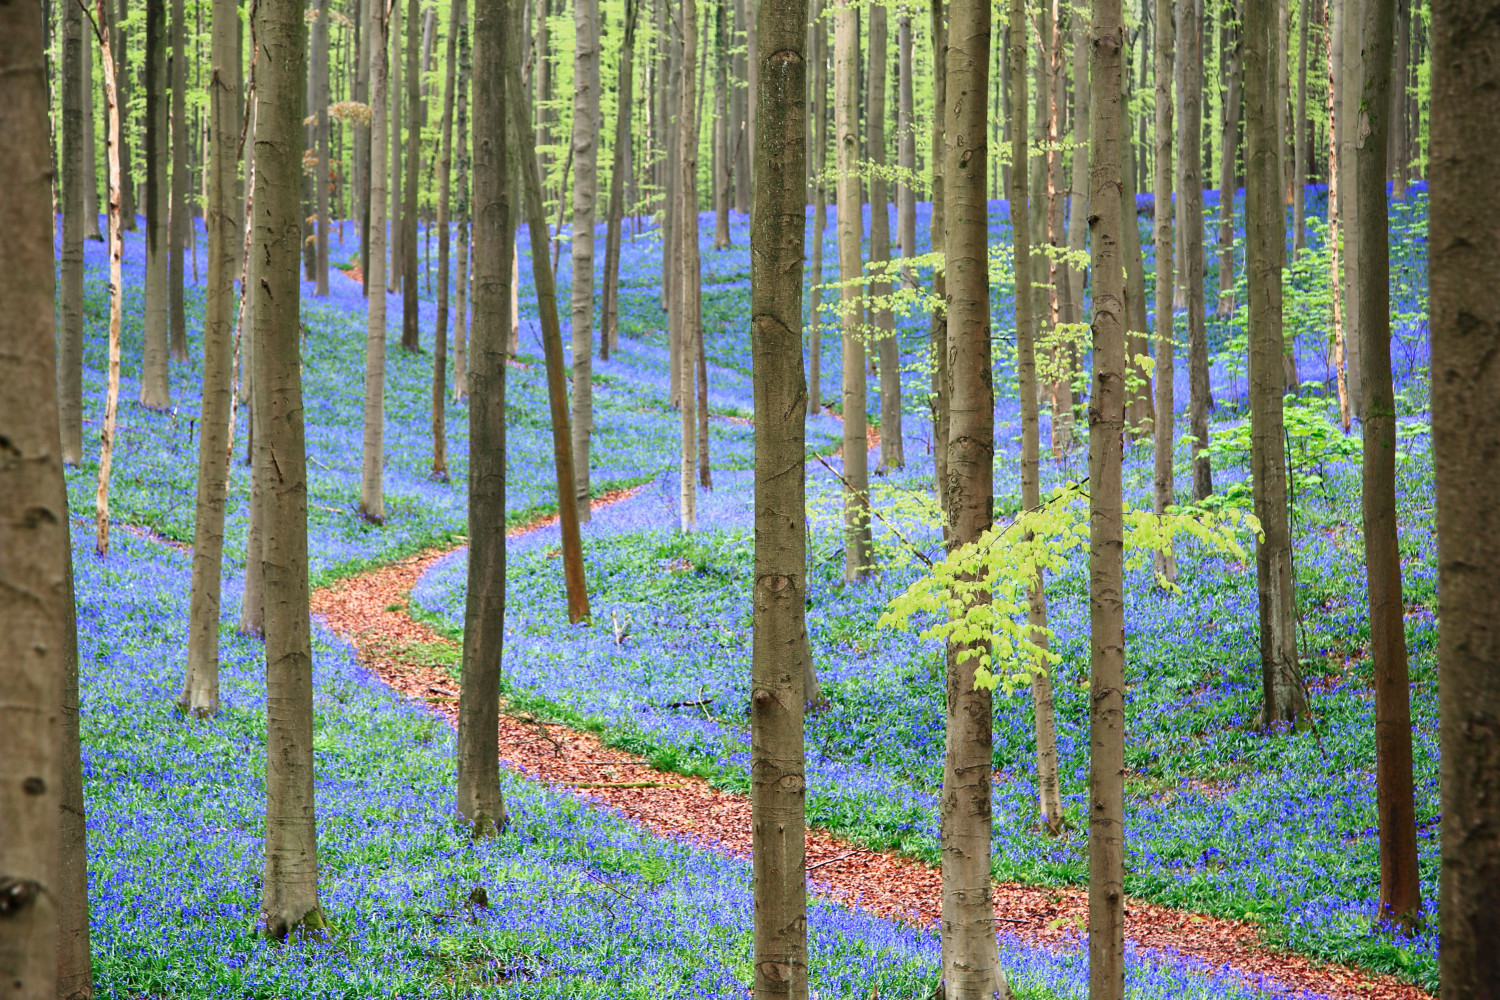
[(1229, 148), (970, 970), (1400, 892), (1350, 151), (200, 691), (819, 154), (479, 796), (938, 329), (179, 221), (892, 452), (252, 603), (38, 637), (372, 476), (362, 138), (1464, 288), (320, 53), (72, 168), (685, 285), (1106, 928), (444, 215), (155, 392), (585, 187), (609, 334), (857, 538), (778, 784), (1190, 50), (1165, 563), (289, 887), (411, 339)]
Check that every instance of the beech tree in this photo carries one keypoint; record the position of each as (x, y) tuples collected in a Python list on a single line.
[(1161, 470), (585, 186), (1230, 57), (411, 339), (892, 454), (1464, 296), (938, 329), (1190, 238), (445, 190), (70, 182), (320, 87), (289, 887), (686, 304), (179, 222), (155, 391), (819, 156), (479, 797), (1350, 85), (371, 490), (609, 333)]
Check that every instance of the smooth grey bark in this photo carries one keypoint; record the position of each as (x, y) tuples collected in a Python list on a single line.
[(722, 179), (320, 68), (892, 450), (393, 165), (1300, 139), (1190, 238), (1078, 188), (609, 334), (179, 221), (1464, 297), (410, 333), (686, 302), (70, 182), (155, 392), (1231, 58), (121, 50), (200, 691), (906, 147), (819, 156), (459, 16), (372, 473), (38, 638), (1350, 151), (938, 328), (90, 158), (1162, 494), (461, 351), (289, 886), (479, 797), (1140, 408), (585, 191)]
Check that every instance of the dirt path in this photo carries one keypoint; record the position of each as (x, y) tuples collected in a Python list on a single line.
[(359, 609)]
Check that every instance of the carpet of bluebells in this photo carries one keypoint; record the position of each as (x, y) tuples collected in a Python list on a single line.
[(1222, 818)]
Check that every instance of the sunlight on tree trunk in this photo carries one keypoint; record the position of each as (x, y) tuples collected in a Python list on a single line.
[(372, 478), (585, 187)]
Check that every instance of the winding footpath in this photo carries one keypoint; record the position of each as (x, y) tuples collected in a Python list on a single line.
[(369, 611)]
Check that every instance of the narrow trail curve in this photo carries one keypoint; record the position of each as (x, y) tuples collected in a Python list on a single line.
[(369, 610)]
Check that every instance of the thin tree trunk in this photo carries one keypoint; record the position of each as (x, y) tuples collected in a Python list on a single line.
[(479, 796), (857, 539), (938, 329), (70, 184), (970, 970), (585, 188), (411, 339), (1165, 563), (90, 157), (1106, 925), (1400, 894), (1229, 143), (461, 353), (520, 128), (1190, 34), (289, 887), (362, 138), (112, 376), (1300, 139), (1078, 189), (609, 335), (721, 172), (38, 641), (200, 691), (892, 451), (778, 785), (320, 47), (685, 288), (906, 147), (1396, 168), (1351, 148), (155, 392), (740, 139), (179, 221), (819, 153), (252, 604), (121, 50), (394, 91), (444, 214), (1140, 408), (1464, 288), (1332, 36), (372, 489)]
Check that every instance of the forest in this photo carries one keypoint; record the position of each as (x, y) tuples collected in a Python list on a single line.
[(749, 498)]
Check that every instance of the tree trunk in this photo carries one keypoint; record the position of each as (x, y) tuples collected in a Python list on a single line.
[(289, 888), (112, 376), (179, 221), (411, 339), (740, 140), (721, 173), (119, 46), (1300, 139), (1106, 927), (321, 98), (70, 185), (461, 352), (393, 166), (90, 157), (252, 603), (892, 452), (1190, 34), (479, 797), (38, 638), (1350, 151), (1400, 894), (906, 147), (444, 215), (1396, 168), (585, 187), (819, 153), (372, 488), (1333, 44), (938, 329), (1229, 143), (609, 335), (520, 129), (1165, 563), (1140, 409), (685, 287), (155, 392), (1078, 189), (362, 138), (778, 784), (1464, 287), (200, 691), (857, 539), (970, 970)]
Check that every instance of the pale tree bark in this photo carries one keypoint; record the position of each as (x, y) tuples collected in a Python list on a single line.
[(155, 392), (444, 215), (38, 639), (1106, 926), (70, 183), (519, 129), (778, 785), (906, 146), (252, 603), (857, 538), (90, 156), (1190, 53), (686, 302), (609, 334), (1400, 892), (112, 374), (892, 452), (1464, 290), (1078, 188), (479, 796), (179, 220), (372, 476), (1332, 33), (394, 92), (118, 45), (585, 189), (1300, 138), (938, 328), (1049, 801), (740, 139), (721, 164), (1396, 168), (411, 339), (289, 888), (320, 54), (200, 691), (970, 969), (819, 153), (1350, 151), (1165, 563), (461, 353), (1231, 56)]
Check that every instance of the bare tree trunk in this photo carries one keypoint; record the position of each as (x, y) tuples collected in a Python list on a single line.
[(121, 51), (155, 391), (1229, 148), (479, 796), (200, 690), (585, 189), (38, 638), (252, 603), (1397, 166), (906, 146), (1078, 189), (372, 476), (112, 376), (444, 214), (72, 168), (1332, 36), (1300, 138), (609, 334), (819, 154), (857, 539), (411, 339), (938, 330), (1350, 151), (1140, 409), (461, 353), (892, 451), (179, 221), (1165, 563), (520, 129), (289, 888), (362, 138), (685, 287), (1106, 928), (321, 98), (1190, 35), (90, 157), (721, 172), (1464, 285), (740, 139)]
